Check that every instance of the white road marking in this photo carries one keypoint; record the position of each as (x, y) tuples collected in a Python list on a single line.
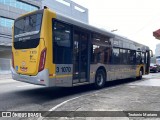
[(25, 86), (52, 109), (55, 107)]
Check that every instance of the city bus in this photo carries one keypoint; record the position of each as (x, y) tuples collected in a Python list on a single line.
[(50, 49)]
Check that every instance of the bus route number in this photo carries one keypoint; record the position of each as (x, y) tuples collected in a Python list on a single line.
[(63, 69)]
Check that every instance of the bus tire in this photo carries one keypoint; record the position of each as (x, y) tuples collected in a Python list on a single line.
[(100, 79), (140, 74)]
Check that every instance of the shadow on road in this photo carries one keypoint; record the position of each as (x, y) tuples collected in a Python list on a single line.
[(51, 93), (46, 97)]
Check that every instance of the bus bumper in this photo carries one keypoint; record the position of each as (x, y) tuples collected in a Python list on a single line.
[(40, 79)]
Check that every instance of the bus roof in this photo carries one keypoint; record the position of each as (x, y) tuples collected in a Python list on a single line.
[(98, 30), (83, 25)]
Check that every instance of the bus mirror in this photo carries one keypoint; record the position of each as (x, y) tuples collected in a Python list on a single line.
[(151, 53), (45, 7)]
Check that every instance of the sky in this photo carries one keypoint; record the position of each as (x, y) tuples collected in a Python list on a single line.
[(134, 19)]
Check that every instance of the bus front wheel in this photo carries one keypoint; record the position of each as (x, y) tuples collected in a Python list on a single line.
[(140, 74), (100, 79)]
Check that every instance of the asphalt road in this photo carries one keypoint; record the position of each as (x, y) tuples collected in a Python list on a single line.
[(27, 97), (21, 96), (18, 96)]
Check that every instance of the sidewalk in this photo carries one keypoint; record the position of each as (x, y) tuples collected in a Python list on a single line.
[(130, 97)]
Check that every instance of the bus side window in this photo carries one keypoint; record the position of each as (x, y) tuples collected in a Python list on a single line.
[(116, 56), (123, 56), (61, 43), (107, 55), (144, 57), (101, 50), (132, 57), (138, 58)]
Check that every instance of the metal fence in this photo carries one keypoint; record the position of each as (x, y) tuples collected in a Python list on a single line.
[(5, 65)]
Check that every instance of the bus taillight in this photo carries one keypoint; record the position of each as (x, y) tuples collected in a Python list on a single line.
[(12, 60), (42, 60)]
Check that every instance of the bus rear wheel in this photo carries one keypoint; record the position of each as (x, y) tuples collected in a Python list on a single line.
[(100, 79)]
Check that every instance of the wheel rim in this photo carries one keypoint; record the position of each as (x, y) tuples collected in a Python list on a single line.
[(140, 74), (99, 79)]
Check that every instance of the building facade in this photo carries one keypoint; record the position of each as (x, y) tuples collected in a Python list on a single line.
[(11, 9), (68, 8), (157, 54)]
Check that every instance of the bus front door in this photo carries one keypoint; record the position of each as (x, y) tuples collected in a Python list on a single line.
[(147, 62), (80, 57)]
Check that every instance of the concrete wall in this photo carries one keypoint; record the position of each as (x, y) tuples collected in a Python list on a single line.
[(5, 54), (5, 60), (157, 51), (68, 8), (153, 59), (5, 65)]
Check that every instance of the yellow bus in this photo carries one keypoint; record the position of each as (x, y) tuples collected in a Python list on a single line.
[(51, 49)]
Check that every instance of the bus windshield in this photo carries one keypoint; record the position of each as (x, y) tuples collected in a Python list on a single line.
[(27, 30), (28, 25)]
